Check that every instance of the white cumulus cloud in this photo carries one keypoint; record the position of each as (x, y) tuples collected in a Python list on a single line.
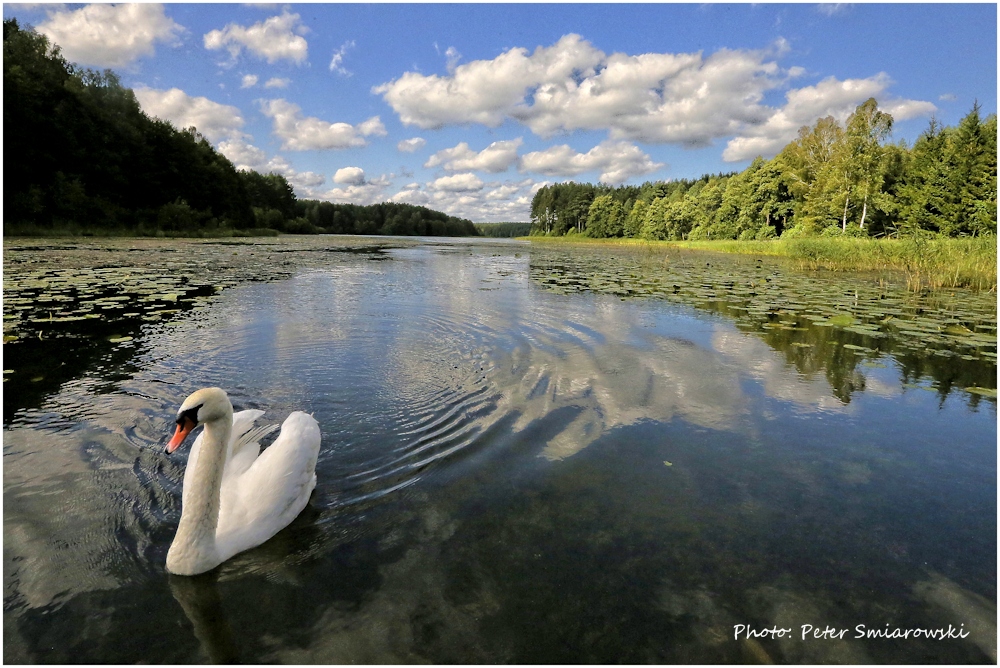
[(497, 157), (690, 99), (494, 201), (617, 161), (902, 110), (302, 182), (273, 39), (301, 133), (349, 176), (509, 191), (412, 194), (249, 157), (249, 81), (803, 106), (373, 126), (411, 145), (277, 82), (367, 192), (653, 97), (212, 119), (485, 91), (110, 35), (243, 155), (457, 183)]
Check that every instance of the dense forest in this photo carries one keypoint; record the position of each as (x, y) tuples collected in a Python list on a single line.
[(504, 230), (832, 180), (80, 155), (384, 218)]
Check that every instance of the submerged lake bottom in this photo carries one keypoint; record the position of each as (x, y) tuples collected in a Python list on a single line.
[(529, 455)]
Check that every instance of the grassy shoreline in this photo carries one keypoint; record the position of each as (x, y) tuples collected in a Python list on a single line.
[(933, 263)]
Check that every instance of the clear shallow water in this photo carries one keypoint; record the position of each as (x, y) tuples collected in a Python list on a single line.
[(519, 465)]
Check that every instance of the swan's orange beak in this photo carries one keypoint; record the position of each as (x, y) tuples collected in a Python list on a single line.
[(184, 427)]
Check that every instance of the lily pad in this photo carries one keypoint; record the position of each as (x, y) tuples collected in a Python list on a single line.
[(842, 320)]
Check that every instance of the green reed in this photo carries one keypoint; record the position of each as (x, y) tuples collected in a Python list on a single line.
[(922, 261)]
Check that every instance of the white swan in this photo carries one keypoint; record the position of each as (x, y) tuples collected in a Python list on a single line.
[(235, 497)]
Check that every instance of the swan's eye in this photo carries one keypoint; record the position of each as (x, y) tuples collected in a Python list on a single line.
[(190, 415)]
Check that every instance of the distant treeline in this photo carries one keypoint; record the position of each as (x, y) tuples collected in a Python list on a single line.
[(831, 180), (506, 230), (313, 216), (81, 155)]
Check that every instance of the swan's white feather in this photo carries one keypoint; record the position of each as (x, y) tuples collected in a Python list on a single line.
[(247, 448), (272, 491)]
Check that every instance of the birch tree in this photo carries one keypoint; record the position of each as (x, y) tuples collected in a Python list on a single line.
[(867, 129)]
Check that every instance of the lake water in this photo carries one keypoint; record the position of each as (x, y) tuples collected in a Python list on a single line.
[(530, 455)]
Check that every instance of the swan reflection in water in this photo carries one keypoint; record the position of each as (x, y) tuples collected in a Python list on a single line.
[(200, 600), (279, 562)]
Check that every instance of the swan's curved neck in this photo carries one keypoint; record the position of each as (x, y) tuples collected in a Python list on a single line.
[(194, 543)]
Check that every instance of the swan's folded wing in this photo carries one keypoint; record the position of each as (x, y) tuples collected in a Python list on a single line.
[(277, 485), (242, 423), (246, 449), (286, 471)]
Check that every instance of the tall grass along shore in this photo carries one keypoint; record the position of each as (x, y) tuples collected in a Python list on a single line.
[(935, 263)]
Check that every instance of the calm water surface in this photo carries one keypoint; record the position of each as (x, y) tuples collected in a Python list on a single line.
[(529, 456)]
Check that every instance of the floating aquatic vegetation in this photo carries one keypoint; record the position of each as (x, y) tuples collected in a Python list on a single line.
[(89, 297), (842, 320), (948, 334)]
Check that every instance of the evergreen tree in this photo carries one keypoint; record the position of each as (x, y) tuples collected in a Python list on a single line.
[(974, 174), (925, 198)]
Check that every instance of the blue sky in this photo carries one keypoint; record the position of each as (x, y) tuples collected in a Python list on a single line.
[(469, 108)]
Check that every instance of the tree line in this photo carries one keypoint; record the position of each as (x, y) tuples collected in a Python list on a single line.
[(504, 230), (313, 216), (832, 180), (80, 154)]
